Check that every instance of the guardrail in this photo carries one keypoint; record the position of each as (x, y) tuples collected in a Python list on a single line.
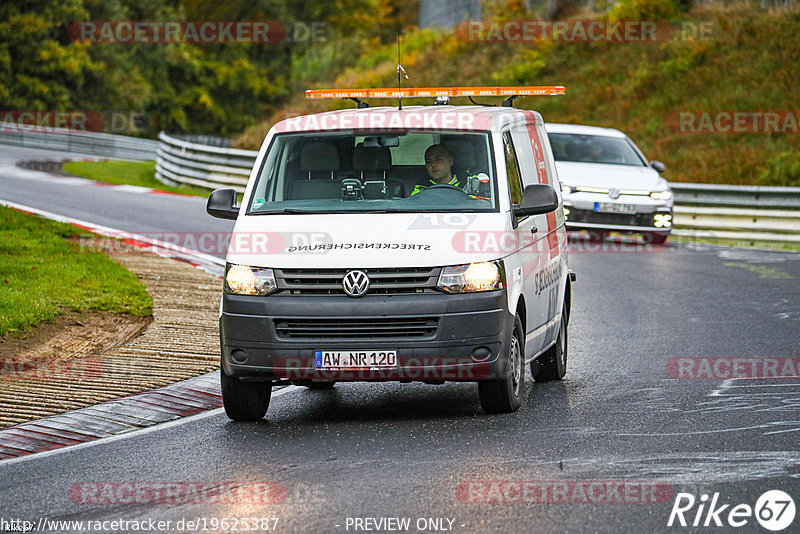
[(750, 196), (90, 143), (737, 212), (181, 161)]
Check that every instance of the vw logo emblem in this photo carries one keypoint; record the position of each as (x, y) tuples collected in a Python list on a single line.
[(613, 193), (355, 283)]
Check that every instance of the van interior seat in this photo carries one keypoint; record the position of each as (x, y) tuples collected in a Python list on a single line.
[(318, 158), (372, 164), (319, 161), (463, 153)]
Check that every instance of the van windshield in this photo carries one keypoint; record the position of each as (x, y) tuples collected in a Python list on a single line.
[(376, 172)]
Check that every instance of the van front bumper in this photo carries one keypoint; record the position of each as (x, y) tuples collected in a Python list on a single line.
[(458, 337)]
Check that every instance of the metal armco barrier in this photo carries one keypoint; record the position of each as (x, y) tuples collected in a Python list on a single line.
[(180, 161), (751, 196), (90, 143), (737, 212)]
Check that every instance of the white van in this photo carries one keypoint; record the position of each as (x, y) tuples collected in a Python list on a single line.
[(348, 262)]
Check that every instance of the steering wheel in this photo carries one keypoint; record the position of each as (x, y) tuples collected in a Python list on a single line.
[(448, 186)]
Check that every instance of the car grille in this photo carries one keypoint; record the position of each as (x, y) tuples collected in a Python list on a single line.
[(618, 219), (356, 328), (381, 281)]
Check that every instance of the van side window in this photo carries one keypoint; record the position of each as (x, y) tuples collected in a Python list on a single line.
[(512, 169)]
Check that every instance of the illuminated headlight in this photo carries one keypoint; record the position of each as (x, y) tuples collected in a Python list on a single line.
[(245, 280), (661, 195), (566, 212), (472, 277), (566, 188), (662, 220)]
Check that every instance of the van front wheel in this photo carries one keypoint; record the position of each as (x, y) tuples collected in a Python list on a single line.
[(244, 401), (504, 395), (552, 365)]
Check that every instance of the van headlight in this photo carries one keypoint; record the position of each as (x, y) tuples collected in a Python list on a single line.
[(661, 195), (246, 280), (473, 277)]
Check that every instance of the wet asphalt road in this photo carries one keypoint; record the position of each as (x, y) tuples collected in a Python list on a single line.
[(424, 452)]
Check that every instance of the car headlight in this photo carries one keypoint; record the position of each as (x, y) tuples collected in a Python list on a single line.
[(566, 188), (246, 280), (661, 195), (472, 277)]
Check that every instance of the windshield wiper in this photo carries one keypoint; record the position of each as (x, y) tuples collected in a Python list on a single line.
[(289, 211)]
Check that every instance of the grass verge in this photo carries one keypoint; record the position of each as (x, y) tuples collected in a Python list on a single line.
[(44, 270), (141, 173)]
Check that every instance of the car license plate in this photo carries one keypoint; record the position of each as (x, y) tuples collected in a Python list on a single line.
[(610, 207), (355, 359)]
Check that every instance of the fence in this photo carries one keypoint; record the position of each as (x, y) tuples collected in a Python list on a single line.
[(89, 143), (181, 161)]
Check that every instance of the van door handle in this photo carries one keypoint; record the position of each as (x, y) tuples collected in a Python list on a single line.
[(534, 229)]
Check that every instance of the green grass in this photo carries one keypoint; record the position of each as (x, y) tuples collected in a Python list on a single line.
[(141, 173), (43, 273)]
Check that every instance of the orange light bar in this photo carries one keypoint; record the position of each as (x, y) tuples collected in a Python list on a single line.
[(536, 90)]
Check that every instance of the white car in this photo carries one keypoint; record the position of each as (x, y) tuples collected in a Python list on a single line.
[(608, 184)]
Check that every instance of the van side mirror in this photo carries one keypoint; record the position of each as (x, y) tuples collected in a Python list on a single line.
[(221, 204), (536, 199), (657, 165)]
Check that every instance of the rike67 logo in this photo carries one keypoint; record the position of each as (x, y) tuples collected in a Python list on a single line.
[(774, 510)]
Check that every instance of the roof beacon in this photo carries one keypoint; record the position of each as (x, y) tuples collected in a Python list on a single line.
[(436, 92)]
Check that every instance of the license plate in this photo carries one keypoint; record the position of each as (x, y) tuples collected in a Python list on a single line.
[(355, 359), (609, 207)]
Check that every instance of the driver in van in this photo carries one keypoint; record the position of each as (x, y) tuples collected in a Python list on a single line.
[(438, 163)]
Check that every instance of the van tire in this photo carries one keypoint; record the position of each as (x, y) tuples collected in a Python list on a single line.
[(244, 401), (552, 365), (504, 395)]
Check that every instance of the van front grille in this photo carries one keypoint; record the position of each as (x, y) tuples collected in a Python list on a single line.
[(356, 328), (382, 281)]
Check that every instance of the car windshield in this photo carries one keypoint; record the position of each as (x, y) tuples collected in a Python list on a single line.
[(594, 149), (376, 172)]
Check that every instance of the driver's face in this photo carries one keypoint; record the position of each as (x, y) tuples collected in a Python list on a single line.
[(438, 163)]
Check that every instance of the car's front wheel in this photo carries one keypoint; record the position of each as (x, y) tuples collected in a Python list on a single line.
[(504, 395), (244, 401)]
